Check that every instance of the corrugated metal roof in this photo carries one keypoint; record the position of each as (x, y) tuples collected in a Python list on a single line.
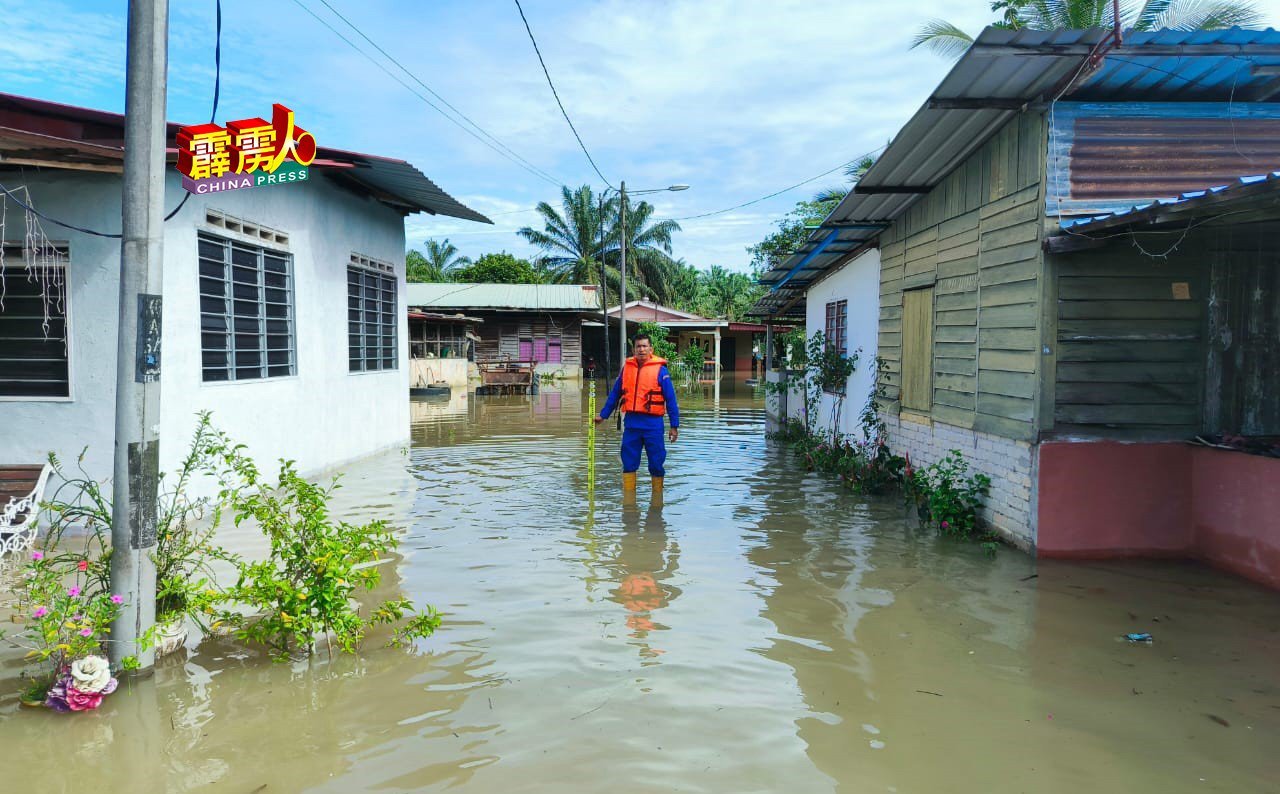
[(1002, 72), (1221, 199), (525, 297)]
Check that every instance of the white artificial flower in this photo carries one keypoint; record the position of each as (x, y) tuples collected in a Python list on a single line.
[(90, 674)]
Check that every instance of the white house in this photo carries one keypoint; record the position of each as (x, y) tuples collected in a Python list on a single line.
[(284, 306), (842, 302)]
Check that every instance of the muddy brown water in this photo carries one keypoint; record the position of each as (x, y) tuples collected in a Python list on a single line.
[(764, 631)]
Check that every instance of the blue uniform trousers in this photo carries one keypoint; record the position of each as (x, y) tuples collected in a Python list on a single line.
[(650, 439)]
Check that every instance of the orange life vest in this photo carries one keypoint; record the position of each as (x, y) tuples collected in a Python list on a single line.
[(641, 392)]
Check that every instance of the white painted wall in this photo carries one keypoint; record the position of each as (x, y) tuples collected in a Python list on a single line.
[(859, 283), (322, 417)]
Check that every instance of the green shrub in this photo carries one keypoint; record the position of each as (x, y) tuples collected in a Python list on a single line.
[(947, 496), (304, 591)]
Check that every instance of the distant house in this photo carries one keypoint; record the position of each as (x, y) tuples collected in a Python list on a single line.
[(1074, 281), (283, 307), (728, 346), (536, 324)]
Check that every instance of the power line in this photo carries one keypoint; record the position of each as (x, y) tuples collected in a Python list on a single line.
[(431, 104), (217, 86), (435, 94), (556, 94), (828, 172)]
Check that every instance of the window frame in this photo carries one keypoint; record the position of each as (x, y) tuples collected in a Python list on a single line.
[(64, 249), (837, 325), (382, 273), (229, 299)]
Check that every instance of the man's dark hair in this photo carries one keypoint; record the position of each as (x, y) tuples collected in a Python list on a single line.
[(640, 336)]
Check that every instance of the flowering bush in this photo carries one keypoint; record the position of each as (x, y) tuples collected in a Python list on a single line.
[(67, 624)]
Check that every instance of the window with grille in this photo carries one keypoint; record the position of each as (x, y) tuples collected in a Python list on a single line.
[(33, 323), (371, 315), (246, 311), (837, 326)]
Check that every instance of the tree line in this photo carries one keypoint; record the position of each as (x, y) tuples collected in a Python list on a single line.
[(581, 242)]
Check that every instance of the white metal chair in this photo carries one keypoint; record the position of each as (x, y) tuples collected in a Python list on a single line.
[(24, 486)]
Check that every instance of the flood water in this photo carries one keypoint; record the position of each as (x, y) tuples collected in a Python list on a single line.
[(765, 631)]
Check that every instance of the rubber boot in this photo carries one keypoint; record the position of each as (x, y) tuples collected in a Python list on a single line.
[(628, 487), (656, 497)]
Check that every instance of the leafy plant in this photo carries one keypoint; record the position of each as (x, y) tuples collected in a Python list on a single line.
[(305, 589), (662, 346), (691, 362), (948, 496), (184, 539)]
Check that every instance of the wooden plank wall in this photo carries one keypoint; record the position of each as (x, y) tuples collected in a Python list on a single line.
[(976, 239), (1130, 350), (500, 336)]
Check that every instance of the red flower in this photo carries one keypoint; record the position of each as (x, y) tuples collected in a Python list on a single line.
[(83, 701), (83, 565)]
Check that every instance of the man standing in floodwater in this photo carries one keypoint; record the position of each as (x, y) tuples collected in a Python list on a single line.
[(644, 393)]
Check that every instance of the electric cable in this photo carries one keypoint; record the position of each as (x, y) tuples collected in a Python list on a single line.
[(556, 94), (776, 193), (429, 103), (217, 84), (435, 94)]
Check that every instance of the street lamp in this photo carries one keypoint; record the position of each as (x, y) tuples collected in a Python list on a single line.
[(622, 297)]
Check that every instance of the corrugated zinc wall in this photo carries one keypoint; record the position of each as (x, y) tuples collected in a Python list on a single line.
[(976, 239)]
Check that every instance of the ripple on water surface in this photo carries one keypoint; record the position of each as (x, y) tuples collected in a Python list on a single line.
[(764, 631)]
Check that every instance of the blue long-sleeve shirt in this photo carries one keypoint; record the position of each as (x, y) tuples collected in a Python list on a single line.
[(645, 421)]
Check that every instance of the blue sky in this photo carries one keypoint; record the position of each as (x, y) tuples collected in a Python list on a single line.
[(737, 98)]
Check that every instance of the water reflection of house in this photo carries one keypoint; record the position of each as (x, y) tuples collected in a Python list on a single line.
[(283, 306), (1075, 280), (535, 324), (727, 346)]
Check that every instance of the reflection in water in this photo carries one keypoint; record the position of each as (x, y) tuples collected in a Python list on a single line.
[(647, 559), (765, 630)]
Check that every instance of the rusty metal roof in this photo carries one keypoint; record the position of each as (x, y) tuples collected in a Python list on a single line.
[(1002, 74)]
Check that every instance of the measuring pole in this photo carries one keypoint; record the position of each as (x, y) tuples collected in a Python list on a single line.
[(137, 449), (591, 440)]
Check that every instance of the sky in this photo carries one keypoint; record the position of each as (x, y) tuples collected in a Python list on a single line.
[(736, 98)]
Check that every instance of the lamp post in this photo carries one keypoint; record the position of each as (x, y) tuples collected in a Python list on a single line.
[(622, 241)]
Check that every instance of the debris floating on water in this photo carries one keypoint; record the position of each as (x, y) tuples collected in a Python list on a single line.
[(1143, 637)]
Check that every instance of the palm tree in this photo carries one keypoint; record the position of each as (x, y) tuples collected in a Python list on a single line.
[(439, 263), (853, 172), (950, 41), (650, 268), (573, 238)]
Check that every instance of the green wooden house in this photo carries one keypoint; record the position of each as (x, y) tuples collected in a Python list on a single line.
[(1075, 281)]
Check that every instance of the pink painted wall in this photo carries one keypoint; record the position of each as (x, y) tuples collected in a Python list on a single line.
[(1236, 513), (1107, 499)]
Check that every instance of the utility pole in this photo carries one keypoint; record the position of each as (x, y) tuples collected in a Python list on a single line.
[(604, 293), (622, 298), (137, 449)]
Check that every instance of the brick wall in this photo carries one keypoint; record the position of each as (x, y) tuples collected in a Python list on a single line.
[(1010, 506)]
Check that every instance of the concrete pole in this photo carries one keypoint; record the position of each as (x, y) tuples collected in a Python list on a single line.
[(137, 449), (768, 348), (622, 298), (716, 374)]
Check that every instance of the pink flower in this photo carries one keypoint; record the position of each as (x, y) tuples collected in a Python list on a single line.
[(40, 612), (117, 599), (83, 565), (946, 524), (86, 632), (37, 555), (74, 592), (82, 701)]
